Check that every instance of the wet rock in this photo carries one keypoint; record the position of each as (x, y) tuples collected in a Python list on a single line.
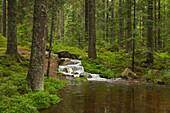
[(65, 70), (128, 74), (161, 82), (65, 61), (70, 70), (74, 73), (85, 74)]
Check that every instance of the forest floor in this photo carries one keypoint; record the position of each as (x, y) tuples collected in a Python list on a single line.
[(26, 53)]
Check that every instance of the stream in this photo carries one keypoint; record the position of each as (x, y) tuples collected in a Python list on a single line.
[(100, 95)]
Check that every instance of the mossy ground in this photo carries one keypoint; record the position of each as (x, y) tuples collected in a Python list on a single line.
[(16, 96)]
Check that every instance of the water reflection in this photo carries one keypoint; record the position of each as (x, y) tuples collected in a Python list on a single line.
[(103, 97)]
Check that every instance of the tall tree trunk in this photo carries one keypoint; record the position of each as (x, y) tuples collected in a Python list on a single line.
[(60, 29), (63, 23), (21, 12), (134, 34), (103, 27), (35, 76), (150, 32), (129, 27), (92, 30), (107, 22), (155, 20), (112, 25), (12, 48), (0, 20), (86, 20), (51, 39), (143, 24), (4, 18), (159, 25), (0, 23), (120, 39)]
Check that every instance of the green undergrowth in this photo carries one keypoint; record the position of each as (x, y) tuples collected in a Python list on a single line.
[(16, 96), (111, 64)]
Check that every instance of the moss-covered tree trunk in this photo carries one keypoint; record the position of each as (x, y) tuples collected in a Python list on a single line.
[(92, 30), (12, 49), (35, 76)]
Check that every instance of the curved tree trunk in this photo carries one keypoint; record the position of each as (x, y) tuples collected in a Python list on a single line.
[(35, 76)]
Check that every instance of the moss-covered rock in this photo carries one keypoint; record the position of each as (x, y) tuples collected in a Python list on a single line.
[(128, 74)]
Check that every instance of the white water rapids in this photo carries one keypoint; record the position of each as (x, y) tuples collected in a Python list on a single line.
[(77, 68)]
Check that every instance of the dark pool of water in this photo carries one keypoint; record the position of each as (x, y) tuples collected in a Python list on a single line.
[(116, 97)]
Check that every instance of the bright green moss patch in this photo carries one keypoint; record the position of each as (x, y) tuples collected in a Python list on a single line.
[(16, 96)]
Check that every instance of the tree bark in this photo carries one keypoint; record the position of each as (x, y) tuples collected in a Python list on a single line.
[(51, 39), (107, 22), (120, 39), (63, 23), (155, 25), (60, 29), (35, 76), (150, 32), (159, 25), (112, 25), (12, 48), (86, 20), (92, 31), (4, 18), (134, 35), (129, 27), (103, 27)]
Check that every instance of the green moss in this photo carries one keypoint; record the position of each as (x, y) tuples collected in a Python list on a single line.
[(16, 96)]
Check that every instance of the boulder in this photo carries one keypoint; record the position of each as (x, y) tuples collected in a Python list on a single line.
[(65, 70), (67, 63), (128, 74), (54, 56), (85, 74), (64, 54)]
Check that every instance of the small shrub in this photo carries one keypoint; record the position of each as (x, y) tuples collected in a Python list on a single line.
[(42, 99)]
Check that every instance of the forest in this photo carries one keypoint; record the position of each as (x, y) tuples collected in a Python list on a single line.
[(118, 42)]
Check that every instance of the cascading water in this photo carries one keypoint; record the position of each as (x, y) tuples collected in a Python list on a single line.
[(76, 69)]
